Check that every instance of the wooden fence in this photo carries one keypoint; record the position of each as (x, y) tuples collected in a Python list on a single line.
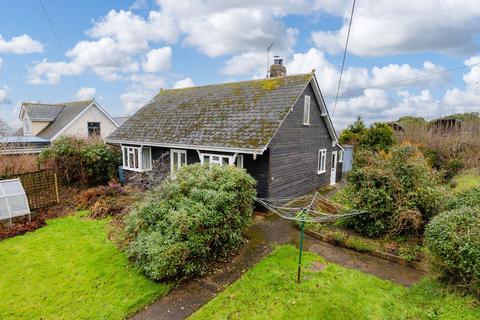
[(41, 188)]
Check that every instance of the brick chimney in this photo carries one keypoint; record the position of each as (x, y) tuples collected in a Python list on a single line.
[(277, 69)]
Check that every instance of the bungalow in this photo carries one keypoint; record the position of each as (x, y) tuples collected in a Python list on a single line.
[(277, 129)]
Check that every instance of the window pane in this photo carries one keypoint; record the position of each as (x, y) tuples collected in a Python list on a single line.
[(136, 157), (206, 159), (225, 161), (240, 161), (183, 159), (175, 160), (146, 158)]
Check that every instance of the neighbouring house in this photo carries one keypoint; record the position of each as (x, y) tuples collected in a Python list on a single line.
[(79, 118), (277, 129)]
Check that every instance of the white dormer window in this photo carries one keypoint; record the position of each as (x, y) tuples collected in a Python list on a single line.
[(306, 111), (27, 127)]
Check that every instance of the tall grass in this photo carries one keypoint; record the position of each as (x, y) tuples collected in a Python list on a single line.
[(459, 143)]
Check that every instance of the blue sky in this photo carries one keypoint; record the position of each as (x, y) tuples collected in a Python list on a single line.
[(123, 52)]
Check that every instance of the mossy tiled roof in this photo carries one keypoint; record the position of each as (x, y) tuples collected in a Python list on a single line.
[(242, 114)]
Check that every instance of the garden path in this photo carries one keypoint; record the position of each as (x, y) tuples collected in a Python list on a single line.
[(265, 232)]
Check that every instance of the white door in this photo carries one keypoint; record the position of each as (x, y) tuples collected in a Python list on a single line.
[(333, 174)]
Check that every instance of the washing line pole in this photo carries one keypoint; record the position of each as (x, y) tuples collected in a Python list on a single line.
[(302, 226)]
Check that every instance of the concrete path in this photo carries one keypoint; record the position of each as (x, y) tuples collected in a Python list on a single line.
[(186, 298)]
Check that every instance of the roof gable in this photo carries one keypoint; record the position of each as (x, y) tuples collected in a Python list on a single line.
[(235, 115), (60, 115)]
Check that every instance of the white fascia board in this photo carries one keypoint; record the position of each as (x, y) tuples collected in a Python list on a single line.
[(186, 146), (324, 110)]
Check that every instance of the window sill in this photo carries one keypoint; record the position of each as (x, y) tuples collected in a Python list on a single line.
[(320, 172), (306, 124), (135, 170)]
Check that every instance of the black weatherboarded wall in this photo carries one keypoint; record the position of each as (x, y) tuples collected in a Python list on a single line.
[(294, 152)]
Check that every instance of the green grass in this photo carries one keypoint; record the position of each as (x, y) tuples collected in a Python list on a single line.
[(467, 180), (70, 270), (269, 291)]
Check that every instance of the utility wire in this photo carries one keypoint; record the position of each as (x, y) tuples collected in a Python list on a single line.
[(59, 43), (344, 55), (406, 80)]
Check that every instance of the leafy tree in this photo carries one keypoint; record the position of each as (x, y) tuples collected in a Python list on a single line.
[(353, 133), (378, 137)]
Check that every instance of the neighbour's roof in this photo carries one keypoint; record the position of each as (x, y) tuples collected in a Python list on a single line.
[(121, 120), (242, 114), (42, 112), (23, 139), (59, 114)]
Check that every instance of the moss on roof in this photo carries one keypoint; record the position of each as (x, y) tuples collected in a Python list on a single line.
[(243, 114)]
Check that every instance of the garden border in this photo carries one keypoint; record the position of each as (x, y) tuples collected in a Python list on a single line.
[(375, 253)]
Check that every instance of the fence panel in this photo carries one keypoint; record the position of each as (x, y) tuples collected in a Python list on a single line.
[(41, 188)]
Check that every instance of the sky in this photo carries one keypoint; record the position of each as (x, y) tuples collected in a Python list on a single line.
[(123, 52)]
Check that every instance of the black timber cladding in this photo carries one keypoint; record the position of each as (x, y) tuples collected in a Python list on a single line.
[(294, 152)]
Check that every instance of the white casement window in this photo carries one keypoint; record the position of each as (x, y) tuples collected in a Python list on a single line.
[(322, 160), (178, 159), (340, 156), (306, 111), (213, 159), (137, 158), (27, 127), (221, 159), (239, 161)]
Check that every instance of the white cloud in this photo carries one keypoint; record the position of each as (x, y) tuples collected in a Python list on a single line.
[(468, 99), (20, 45), (1, 63), (135, 98), (385, 27), (246, 64), (184, 83), (3, 95), (132, 32), (85, 93), (50, 72), (157, 59), (138, 4), (149, 81)]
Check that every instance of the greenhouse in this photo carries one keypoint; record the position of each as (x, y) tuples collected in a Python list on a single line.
[(13, 200)]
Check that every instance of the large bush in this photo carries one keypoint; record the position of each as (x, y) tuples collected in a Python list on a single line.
[(187, 223), (469, 198), (453, 238), (398, 190), (82, 161)]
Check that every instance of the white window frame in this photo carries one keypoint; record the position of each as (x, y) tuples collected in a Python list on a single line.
[(340, 156), (138, 163), (322, 161), (239, 161), (27, 127), (236, 160), (179, 153), (306, 111)]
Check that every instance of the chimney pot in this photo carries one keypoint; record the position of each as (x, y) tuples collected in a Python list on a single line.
[(277, 69)]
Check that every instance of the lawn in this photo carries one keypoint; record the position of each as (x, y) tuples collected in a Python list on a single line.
[(70, 270), (467, 180), (269, 291)]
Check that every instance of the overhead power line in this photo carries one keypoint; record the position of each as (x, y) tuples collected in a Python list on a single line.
[(59, 43), (406, 80), (344, 55)]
